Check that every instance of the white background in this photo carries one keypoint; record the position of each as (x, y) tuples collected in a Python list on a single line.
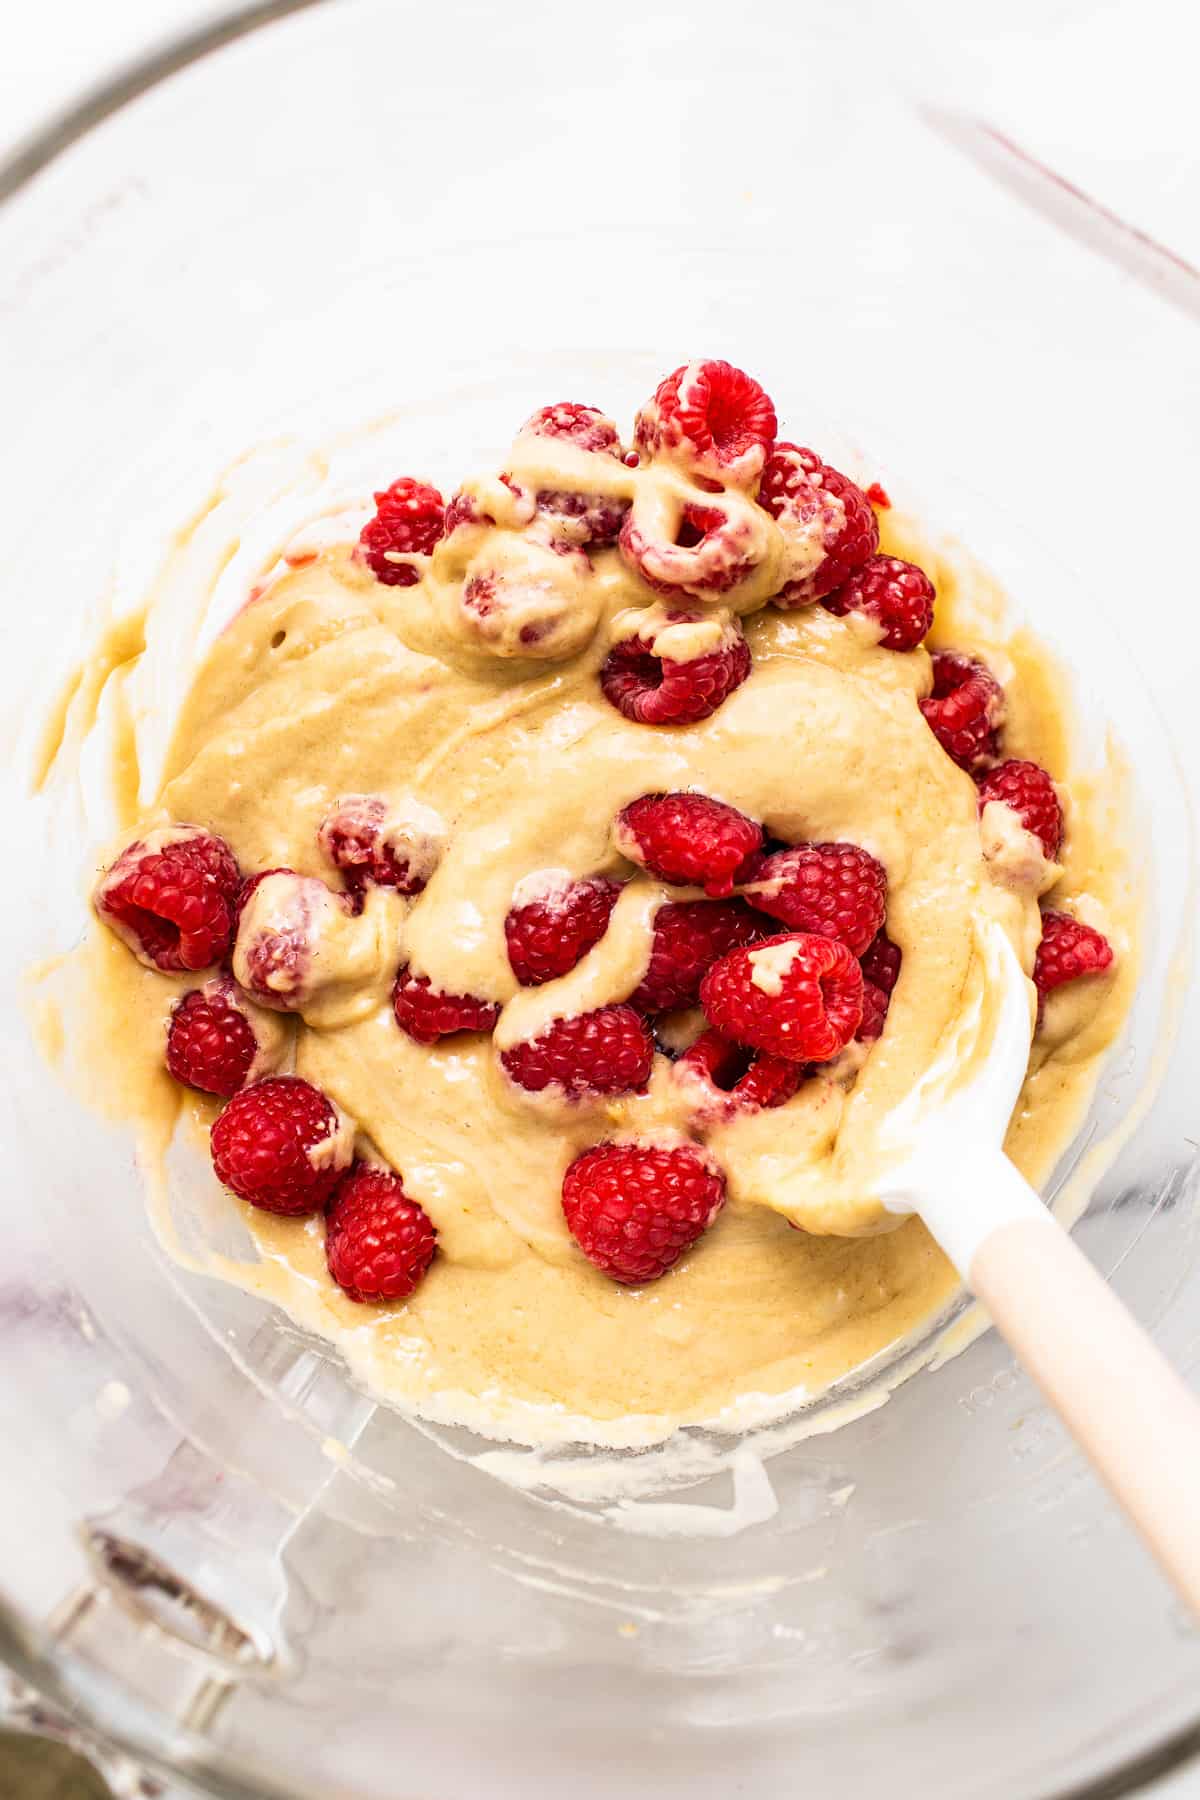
[(1103, 90)]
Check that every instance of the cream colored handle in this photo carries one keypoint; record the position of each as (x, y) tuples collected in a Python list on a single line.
[(1135, 1418)]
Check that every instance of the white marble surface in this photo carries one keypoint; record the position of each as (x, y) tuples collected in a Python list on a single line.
[(1101, 89)]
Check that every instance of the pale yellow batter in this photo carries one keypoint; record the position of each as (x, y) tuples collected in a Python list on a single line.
[(330, 683)]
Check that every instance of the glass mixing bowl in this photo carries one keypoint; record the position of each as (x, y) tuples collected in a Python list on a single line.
[(217, 1551)]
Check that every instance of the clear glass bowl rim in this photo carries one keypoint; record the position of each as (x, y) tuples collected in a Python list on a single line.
[(31, 155)]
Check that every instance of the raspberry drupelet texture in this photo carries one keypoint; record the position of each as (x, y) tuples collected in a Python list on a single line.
[(689, 936), (546, 936), (1068, 949), (609, 1051), (829, 528), (836, 890), (409, 519), (897, 596), (965, 711), (875, 1011), (587, 519), (378, 1243), (170, 897), (375, 844), (714, 420), (427, 1014), (635, 1209), (720, 1079), (211, 1044), (647, 684), (688, 840), (881, 962), (585, 426), (797, 996), (279, 1144), (1028, 790)]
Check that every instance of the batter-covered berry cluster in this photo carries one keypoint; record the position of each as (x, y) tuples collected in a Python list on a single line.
[(778, 953)]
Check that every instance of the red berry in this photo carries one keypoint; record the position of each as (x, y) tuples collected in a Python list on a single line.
[(609, 1051), (875, 1010), (1068, 949), (634, 1209), (713, 419), (721, 1079), (713, 549), (897, 595), (643, 681), (280, 1145), (828, 527), (547, 936), (689, 936), (170, 897), (427, 1014), (881, 962), (210, 1042), (588, 518), (372, 843), (836, 890), (797, 996), (283, 919), (409, 519), (378, 1242), (965, 710), (1029, 791), (687, 839), (585, 426)]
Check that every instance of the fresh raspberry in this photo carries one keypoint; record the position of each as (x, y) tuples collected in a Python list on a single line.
[(547, 936), (713, 549), (427, 1014), (587, 518), (378, 1242), (828, 527), (634, 1209), (210, 1042), (282, 919), (878, 496), (409, 519), (965, 710), (374, 844), (896, 594), (585, 426), (721, 1079), (713, 419), (527, 609), (835, 890), (650, 686), (1029, 791), (464, 509), (170, 897), (881, 962), (875, 1010), (280, 1145), (797, 996), (689, 937), (609, 1051), (1068, 949), (687, 840)]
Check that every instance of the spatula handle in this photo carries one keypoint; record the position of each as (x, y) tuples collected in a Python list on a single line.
[(1129, 1411)]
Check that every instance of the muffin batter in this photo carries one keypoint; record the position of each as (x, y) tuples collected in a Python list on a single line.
[(330, 683)]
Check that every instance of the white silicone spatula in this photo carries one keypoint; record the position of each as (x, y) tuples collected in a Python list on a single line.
[(1127, 1408)]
